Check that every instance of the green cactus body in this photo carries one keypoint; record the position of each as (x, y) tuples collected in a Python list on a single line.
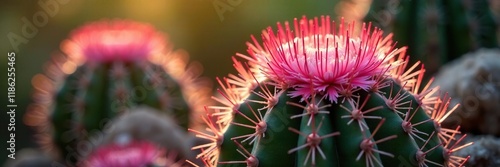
[(102, 94), (436, 31), (109, 68), (370, 113)]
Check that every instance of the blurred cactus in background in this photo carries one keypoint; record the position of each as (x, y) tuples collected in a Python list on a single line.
[(484, 152), (437, 31), (474, 81), (314, 94), (146, 124), (108, 67)]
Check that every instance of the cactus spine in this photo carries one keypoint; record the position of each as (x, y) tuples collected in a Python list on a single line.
[(108, 67), (319, 96)]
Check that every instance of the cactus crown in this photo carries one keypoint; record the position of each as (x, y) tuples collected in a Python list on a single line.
[(122, 40), (319, 95), (323, 58)]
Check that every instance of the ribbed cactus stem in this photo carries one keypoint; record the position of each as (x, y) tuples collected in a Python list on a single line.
[(486, 25), (436, 31), (107, 90)]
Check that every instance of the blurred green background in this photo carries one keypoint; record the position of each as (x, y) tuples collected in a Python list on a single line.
[(211, 31), (195, 26)]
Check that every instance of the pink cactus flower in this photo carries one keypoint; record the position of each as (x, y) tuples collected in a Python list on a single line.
[(114, 40), (133, 154), (317, 56)]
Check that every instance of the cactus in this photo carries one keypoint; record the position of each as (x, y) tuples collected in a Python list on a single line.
[(436, 31), (146, 124), (107, 67), (319, 96), (477, 89), (484, 152)]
